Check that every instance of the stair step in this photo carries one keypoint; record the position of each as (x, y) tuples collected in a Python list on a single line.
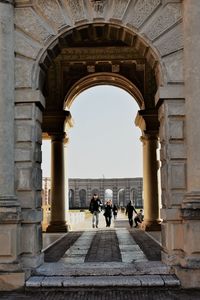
[(102, 281)]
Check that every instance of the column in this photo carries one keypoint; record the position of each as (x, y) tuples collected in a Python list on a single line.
[(150, 184), (58, 222), (10, 213)]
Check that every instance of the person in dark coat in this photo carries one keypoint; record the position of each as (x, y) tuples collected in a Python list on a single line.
[(95, 209), (115, 211), (108, 212), (129, 210)]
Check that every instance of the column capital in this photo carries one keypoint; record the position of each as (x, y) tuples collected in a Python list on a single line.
[(147, 137), (57, 136), (147, 120)]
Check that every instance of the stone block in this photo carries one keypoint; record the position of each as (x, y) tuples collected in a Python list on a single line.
[(191, 230), (171, 214), (24, 111), (177, 150), (34, 281), (29, 199), (176, 198), (178, 175), (11, 281), (175, 107), (189, 278), (9, 243), (176, 129), (171, 42), (25, 46), (5, 242), (37, 178), (38, 134), (38, 153), (174, 236), (174, 67), (30, 96), (24, 133), (23, 70), (32, 260), (23, 155), (24, 179), (31, 216), (174, 92)]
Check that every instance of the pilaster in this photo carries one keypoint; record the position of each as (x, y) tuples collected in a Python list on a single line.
[(11, 274)]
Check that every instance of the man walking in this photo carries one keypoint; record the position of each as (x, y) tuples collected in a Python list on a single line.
[(95, 208), (129, 210)]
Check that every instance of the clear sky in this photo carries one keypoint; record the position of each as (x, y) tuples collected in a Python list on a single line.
[(104, 141)]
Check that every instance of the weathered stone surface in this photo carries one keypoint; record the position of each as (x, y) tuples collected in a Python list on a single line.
[(178, 175), (120, 7), (29, 95), (26, 46), (142, 10), (75, 9), (52, 10), (174, 67), (171, 41), (176, 129), (168, 16), (23, 69), (11, 281), (32, 24)]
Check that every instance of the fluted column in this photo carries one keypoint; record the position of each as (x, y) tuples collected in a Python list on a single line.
[(150, 183), (58, 213)]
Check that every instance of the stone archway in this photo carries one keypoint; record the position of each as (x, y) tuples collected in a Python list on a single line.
[(155, 30)]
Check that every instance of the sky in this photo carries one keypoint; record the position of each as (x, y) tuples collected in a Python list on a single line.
[(104, 142)]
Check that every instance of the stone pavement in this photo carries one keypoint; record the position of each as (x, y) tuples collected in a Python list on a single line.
[(104, 263)]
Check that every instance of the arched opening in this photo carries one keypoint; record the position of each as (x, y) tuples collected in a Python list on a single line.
[(74, 65), (82, 197), (108, 195)]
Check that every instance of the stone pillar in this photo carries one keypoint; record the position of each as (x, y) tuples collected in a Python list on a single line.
[(148, 122), (11, 276), (115, 200), (58, 222), (127, 195), (189, 269), (150, 167)]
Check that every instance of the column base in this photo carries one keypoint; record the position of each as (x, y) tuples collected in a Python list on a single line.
[(151, 225), (57, 227), (189, 278)]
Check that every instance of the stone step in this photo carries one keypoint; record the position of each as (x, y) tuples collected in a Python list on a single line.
[(103, 269), (102, 281)]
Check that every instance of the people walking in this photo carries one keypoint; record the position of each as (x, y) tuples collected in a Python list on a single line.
[(95, 209), (108, 212), (129, 210), (115, 211)]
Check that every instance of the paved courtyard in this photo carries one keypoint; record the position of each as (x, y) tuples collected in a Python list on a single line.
[(102, 263)]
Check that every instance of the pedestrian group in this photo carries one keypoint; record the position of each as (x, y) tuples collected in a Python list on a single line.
[(96, 206)]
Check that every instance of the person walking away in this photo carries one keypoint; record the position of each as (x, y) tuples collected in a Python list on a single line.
[(108, 212), (95, 209), (138, 218), (115, 211), (129, 210)]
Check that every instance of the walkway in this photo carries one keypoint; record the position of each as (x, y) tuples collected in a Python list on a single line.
[(104, 263)]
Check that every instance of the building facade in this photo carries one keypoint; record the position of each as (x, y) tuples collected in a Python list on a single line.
[(120, 190), (50, 51)]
